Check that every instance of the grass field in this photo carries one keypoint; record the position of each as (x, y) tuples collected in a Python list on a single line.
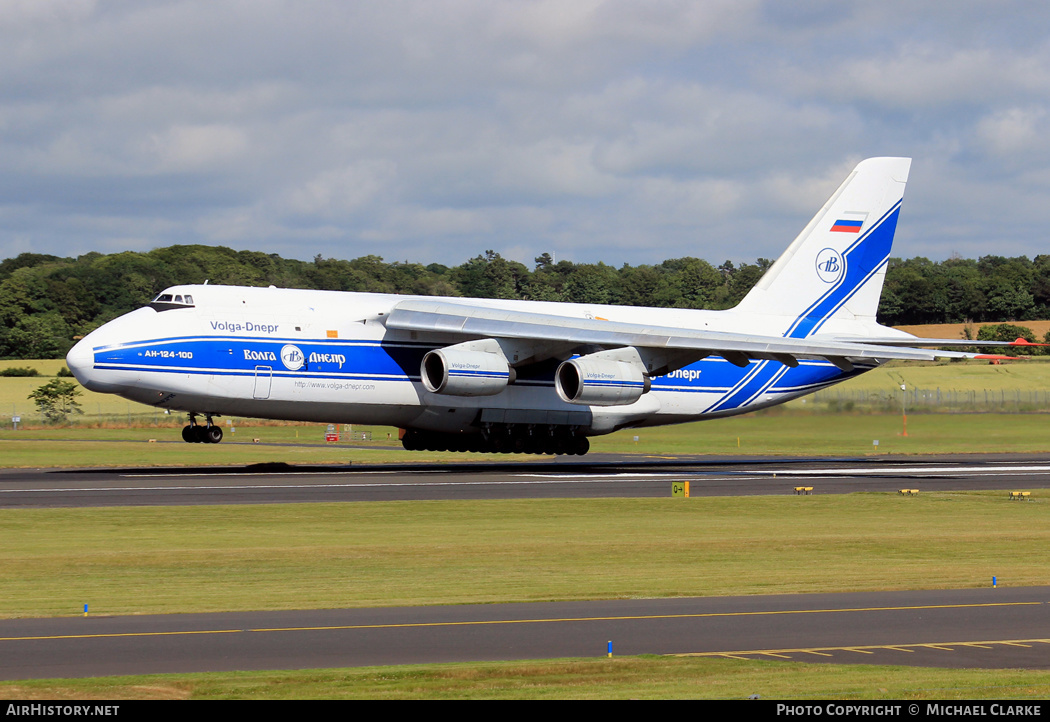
[(150, 560), (1029, 373), (774, 432), (617, 678)]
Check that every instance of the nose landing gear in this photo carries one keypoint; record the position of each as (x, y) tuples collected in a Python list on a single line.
[(194, 433)]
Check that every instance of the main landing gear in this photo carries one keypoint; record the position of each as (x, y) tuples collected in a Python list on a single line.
[(502, 439), (194, 433)]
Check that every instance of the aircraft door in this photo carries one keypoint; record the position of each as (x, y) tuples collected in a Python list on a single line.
[(263, 377)]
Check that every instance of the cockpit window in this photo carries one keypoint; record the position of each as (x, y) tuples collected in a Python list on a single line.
[(168, 302)]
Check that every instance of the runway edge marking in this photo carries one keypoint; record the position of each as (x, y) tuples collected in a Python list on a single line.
[(862, 649)]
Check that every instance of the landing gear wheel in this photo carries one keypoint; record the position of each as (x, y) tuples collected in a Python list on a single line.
[(213, 435), (580, 446), (187, 434), (200, 435)]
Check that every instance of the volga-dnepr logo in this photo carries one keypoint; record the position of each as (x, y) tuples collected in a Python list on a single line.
[(830, 265), (292, 357)]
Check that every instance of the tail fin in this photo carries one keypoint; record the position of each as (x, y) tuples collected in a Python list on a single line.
[(835, 268)]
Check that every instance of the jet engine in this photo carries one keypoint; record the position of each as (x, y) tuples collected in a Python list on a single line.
[(597, 381), (462, 372)]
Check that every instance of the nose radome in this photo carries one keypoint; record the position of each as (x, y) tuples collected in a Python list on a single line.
[(109, 338), (80, 359)]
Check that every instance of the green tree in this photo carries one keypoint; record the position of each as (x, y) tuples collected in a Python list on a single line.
[(547, 282), (593, 283), (56, 400), (1010, 332), (692, 283), (639, 285), (490, 276)]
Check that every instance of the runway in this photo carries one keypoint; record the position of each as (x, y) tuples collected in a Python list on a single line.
[(951, 628), (597, 476), (991, 628)]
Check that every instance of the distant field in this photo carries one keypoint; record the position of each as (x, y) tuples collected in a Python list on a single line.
[(14, 392), (46, 367), (955, 330), (1029, 373)]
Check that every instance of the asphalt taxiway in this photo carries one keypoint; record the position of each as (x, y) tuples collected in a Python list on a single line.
[(991, 628)]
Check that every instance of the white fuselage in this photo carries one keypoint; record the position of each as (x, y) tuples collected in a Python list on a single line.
[(327, 356)]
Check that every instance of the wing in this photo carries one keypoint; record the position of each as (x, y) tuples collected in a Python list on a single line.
[(572, 335)]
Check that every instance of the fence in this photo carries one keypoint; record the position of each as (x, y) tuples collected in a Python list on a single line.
[(132, 415), (832, 400), (934, 400)]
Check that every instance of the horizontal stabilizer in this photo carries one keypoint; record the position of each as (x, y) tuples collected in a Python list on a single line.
[(917, 342)]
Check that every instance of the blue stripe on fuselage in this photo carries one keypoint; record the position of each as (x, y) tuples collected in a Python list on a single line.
[(765, 375), (237, 355), (742, 386), (378, 361)]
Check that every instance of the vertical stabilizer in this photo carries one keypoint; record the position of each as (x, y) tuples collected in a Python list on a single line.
[(835, 268)]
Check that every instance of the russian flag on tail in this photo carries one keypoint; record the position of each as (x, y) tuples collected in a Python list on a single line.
[(849, 221), (845, 225)]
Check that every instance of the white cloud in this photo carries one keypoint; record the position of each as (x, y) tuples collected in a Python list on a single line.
[(434, 129), (341, 192), (27, 15), (1015, 131), (915, 78), (194, 148)]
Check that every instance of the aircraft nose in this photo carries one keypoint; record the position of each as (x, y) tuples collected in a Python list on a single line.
[(80, 360)]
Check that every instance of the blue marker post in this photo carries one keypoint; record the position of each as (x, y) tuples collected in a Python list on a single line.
[(85, 610), (610, 649), (993, 582)]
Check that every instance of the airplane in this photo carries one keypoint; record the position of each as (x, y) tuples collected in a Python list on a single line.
[(467, 374)]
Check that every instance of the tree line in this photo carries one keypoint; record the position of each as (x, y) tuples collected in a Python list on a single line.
[(47, 301)]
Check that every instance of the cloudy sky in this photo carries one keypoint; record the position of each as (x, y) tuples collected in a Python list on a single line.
[(430, 131)]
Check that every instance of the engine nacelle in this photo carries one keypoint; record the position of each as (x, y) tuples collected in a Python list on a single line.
[(460, 372), (600, 381)]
